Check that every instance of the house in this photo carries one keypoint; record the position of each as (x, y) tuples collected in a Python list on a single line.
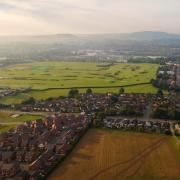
[(61, 149), (35, 175), (20, 156), (9, 169), (36, 165), (30, 156), (25, 141), (8, 156), (23, 175)]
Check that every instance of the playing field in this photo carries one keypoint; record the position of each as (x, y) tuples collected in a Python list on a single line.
[(113, 155), (44, 75)]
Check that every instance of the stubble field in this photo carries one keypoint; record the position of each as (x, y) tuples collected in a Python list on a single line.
[(113, 155)]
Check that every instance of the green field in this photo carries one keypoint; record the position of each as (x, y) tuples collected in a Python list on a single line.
[(44, 75), (7, 121)]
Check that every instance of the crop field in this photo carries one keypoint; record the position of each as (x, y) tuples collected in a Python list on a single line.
[(114, 155), (43, 75)]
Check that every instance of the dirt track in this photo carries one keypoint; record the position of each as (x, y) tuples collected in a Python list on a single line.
[(133, 161)]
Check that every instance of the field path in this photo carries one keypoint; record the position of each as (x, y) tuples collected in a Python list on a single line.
[(140, 159), (133, 161)]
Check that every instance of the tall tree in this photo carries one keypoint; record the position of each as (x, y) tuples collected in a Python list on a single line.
[(73, 93), (121, 90), (89, 91)]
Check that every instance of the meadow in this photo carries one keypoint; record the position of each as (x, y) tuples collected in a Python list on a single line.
[(108, 155), (41, 76)]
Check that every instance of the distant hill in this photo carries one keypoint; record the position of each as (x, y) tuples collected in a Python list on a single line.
[(150, 35), (136, 36)]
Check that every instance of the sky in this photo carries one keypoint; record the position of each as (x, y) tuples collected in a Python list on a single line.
[(35, 17)]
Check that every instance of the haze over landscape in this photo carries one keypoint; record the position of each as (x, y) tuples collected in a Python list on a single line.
[(89, 89), (31, 17)]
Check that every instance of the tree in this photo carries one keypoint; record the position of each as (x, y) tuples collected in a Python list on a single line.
[(160, 93), (114, 98), (161, 112), (31, 100), (73, 93), (121, 90), (49, 98), (89, 91)]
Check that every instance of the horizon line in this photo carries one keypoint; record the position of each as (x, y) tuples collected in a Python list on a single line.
[(103, 33)]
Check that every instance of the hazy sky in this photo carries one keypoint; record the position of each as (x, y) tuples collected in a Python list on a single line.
[(88, 16)]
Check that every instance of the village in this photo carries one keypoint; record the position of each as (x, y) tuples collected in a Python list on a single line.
[(157, 105), (6, 91), (108, 103), (137, 125), (33, 149), (168, 77)]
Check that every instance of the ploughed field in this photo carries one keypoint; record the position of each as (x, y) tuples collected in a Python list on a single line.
[(44, 75), (114, 155)]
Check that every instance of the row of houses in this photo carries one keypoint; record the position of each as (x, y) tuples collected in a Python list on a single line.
[(32, 149), (167, 107), (137, 125), (110, 103), (168, 77), (11, 92)]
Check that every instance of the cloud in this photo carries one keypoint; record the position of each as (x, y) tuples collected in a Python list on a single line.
[(90, 16)]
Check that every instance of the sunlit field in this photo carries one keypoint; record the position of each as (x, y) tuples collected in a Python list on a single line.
[(110, 155), (44, 75)]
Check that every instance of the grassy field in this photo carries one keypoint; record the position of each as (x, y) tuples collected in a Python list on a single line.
[(113, 155), (43, 75), (6, 117), (7, 121)]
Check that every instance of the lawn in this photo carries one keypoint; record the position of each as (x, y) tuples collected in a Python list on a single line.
[(44, 75), (109, 155)]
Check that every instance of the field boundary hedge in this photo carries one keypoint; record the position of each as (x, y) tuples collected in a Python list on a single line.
[(93, 87)]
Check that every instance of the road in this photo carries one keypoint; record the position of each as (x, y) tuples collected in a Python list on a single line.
[(174, 136)]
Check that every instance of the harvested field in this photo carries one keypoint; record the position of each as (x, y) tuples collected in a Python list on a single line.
[(114, 155)]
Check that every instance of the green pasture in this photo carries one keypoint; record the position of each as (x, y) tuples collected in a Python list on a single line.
[(44, 75)]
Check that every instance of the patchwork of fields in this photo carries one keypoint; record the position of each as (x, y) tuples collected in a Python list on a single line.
[(44, 75), (110, 155)]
